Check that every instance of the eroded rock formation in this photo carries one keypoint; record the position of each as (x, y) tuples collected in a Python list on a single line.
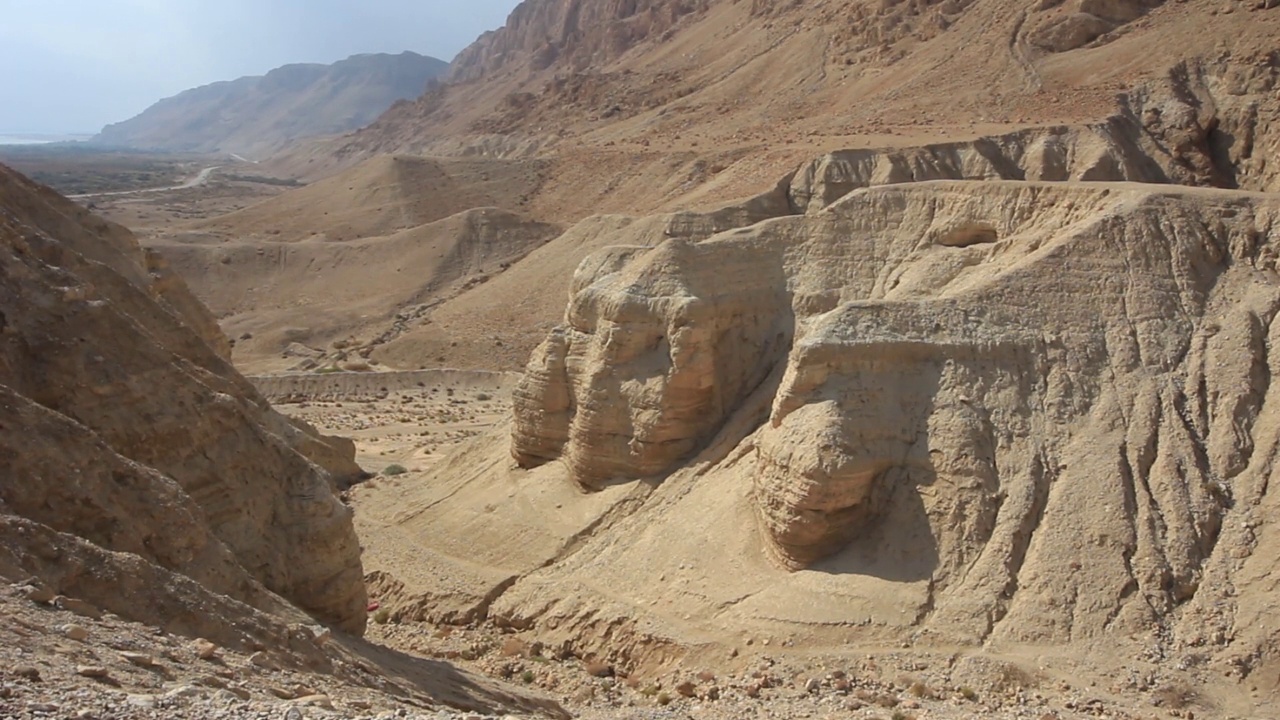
[(1051, 401), (128, 428)]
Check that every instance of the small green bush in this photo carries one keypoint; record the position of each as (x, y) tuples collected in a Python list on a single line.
[(382, 617), (393, 470), (664, 698), (527, 676), (968, 694)]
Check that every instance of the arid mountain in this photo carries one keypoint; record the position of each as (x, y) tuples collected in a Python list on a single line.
[(255, 115), (795, 78), (932, 330), (107, 350), (148, 491)]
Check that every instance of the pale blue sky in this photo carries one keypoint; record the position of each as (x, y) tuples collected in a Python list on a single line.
[(76, 65)]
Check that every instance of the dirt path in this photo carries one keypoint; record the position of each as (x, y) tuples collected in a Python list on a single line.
[(200, 179)]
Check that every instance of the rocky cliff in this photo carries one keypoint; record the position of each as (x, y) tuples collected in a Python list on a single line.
[(1041, 412), (254, 115), (570, 34), (128, 428)]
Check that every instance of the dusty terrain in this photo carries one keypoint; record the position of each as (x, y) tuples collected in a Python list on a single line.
[(759, 673), (152, 492), (77, 169), (894, 359)]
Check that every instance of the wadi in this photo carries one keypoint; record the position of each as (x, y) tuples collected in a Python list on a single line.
[(672, 358)]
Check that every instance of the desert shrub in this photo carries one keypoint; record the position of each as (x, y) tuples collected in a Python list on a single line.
[(393, 470), (1175, 697), (968, 694), (1013, 678), (920, 690), (484, 397), (527, 676), (382, 617), (664, 698)]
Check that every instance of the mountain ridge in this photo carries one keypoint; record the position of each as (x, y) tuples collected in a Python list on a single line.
[(260, 113)]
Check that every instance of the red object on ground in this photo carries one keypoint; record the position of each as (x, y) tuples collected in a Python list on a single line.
[(374, 605)]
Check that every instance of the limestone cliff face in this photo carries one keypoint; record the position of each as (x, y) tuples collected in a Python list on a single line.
[(112, 356), (1049, 404), (637, 380)]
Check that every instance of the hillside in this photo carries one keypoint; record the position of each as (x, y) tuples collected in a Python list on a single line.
[(793, 79), (929, 339), (157, 516), (255, 115)]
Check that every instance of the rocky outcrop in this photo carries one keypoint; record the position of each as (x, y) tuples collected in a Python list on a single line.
[(1029, 412), (1202, 125), (1110, 151), (1059, 27), (569, 34), (166, 451), (634, 382)]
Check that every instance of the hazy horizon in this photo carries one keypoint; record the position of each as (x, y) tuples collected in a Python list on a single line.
[(81, 66)]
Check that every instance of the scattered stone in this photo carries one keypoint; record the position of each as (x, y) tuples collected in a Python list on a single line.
[(212, 681), (139, 659), (686, 689), (293, 713), (92, 671), (74, 632), (282, 693), (37, 593), (27, 672), (322, 635), (79, 607), (321, 701), (227, 697), (261, 659), (141, 701), (812, 686), (182, 691), (205, 649), (42, 707)]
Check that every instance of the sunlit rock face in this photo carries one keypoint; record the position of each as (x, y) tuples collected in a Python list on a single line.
[(651, 360)]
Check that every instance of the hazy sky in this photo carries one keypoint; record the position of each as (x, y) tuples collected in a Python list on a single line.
[(76, 65)]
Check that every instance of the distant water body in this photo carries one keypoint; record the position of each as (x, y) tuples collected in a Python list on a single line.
[(33, 139)]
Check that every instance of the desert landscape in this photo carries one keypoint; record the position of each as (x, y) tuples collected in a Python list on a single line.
[(694, 359)]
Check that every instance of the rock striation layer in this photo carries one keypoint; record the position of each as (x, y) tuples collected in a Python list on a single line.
[(127, 428), (1046, 407)]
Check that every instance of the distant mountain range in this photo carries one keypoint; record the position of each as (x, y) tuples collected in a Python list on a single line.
[(261, 113)]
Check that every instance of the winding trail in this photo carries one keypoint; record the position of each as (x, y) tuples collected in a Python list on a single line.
[(198, 180)]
